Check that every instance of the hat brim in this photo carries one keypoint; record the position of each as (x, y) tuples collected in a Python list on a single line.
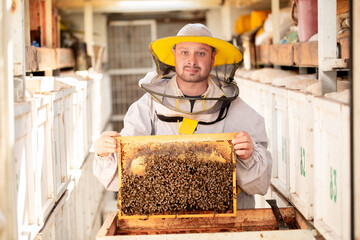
[(226, 53)]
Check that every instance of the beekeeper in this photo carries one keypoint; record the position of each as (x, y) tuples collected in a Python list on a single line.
[(183, 97)]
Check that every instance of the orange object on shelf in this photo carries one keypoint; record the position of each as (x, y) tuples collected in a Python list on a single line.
[(243, 24)]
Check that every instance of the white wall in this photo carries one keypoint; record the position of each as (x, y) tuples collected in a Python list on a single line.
[(221, 21)]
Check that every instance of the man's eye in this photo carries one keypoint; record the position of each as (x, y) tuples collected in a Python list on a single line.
[(184, 53), (201, 53)]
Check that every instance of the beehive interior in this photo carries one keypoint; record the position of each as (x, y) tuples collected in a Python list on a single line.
[(171, 178)]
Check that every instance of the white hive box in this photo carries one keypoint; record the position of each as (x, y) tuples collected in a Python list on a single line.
[(96, 106), (101, 106), (48, 231), (24, 164), (68, 122), (106, 101), (44, 171), (39, 84), (70, 211), (56, 225), (61, 220), (279, 141), (88, 121), (59, 143), (80, 204), (332, 168), (259, 97), (78, 115), (250, 93), (98, 189), (88, 197), (76, 129), (301, 154), (82, 121), (266, 108)]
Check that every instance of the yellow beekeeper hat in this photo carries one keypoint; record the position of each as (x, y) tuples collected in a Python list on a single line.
[(226, 53)]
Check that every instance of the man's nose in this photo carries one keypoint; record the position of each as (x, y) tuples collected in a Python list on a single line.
[(192, 61)]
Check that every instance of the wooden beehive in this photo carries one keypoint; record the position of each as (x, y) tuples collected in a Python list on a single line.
[(176, 176), (248, 224)]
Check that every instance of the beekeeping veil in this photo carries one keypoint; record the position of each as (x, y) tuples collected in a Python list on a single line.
[(227, 60)]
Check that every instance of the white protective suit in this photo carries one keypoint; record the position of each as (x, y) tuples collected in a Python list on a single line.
[(252, 175)]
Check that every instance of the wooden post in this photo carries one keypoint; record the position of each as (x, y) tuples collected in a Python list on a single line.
[(48, 23), (48, 30), (17, 18), (226, 20), (327, 45), (88, 26), (8, 227), (27, 22), (356, 117), (275, 9)]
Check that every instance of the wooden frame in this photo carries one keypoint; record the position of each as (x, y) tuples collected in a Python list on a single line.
[(212, 138)]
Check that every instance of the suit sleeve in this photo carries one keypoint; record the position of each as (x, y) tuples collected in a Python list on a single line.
[(254, 174), (138, 121)]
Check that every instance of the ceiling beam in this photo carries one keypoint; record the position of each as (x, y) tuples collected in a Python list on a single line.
[(126, 6)]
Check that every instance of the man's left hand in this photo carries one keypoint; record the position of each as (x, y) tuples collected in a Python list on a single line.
[(243, 145)]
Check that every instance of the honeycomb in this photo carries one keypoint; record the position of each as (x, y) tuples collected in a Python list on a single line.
[(176, 175)]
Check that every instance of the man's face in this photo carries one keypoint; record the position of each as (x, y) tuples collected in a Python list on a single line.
[(193, 61)]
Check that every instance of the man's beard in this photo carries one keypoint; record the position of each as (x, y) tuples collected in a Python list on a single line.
[(194, 78)]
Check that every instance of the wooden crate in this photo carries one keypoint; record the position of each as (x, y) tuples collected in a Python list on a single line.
[(207, 150), (247, 224), (306, 54), (38, 23), (262, 54), (281, 54)]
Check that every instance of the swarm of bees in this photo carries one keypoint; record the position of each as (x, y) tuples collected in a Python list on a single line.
[(175, 182)]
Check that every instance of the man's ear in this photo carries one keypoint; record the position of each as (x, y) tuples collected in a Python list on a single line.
[(213, 54)]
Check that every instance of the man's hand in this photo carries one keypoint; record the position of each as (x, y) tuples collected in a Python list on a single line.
[(243, 145), (106, 143)]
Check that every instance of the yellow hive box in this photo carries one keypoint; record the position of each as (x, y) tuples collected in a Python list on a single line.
[(176, 176)]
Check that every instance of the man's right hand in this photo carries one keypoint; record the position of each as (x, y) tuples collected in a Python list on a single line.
[(106, 143)]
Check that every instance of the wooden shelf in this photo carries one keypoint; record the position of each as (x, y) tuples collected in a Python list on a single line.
[(306, 54), (303, 54), (41, 58)]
